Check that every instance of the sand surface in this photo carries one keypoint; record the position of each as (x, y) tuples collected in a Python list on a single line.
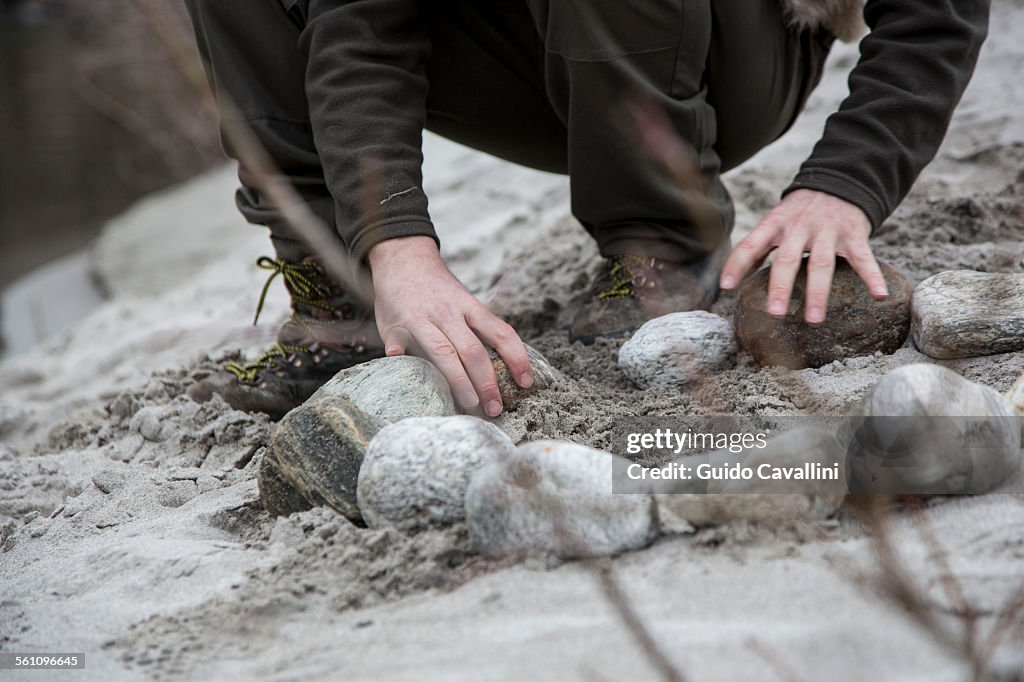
[(130, 528)]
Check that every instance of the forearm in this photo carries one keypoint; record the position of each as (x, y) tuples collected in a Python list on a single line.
[(366, 85), (914, 67)]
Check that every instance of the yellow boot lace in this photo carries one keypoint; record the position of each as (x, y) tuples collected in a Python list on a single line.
[(305, 285), (304, 282), (622, 282), (249, 371)]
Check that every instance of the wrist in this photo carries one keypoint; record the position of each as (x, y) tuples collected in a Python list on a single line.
[(394, 252)]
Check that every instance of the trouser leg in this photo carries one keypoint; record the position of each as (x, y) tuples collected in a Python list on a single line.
[(759, 75), (539, 82), (486, 73), (599, 56), (251, 51)]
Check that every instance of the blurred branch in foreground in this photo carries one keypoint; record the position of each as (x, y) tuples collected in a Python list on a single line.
[(319, 237)]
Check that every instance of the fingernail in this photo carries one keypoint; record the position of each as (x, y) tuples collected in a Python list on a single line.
[(469, 400), (728, 282), (493, 408), (776, 308), (883, 292), (526, 380), (393, 350), (815, 315)]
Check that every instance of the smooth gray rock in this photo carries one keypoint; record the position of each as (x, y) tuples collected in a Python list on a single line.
[(544, 376), (855, 323), (769, 502), (677, 349), (923, 429), (556, 497), (393, 388), (415, 473), (962, 314), (1016, 396), (314, 457)]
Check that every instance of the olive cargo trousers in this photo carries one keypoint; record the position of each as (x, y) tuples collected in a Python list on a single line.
[(538, 82)]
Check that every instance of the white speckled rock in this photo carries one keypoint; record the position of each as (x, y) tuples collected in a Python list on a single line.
[(1016, 396), (924, 429), (772, 502), (415, 472), (556, 497), (393, 388), (676, 349), (962, 314)]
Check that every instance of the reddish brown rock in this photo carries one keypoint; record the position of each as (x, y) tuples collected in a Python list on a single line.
[(544, 375), (855, 323)]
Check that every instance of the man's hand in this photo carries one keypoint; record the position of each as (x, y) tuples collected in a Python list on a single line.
[(807, 221), (423, 309)]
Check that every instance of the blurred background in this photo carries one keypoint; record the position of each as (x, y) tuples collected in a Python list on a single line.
[(93, 115)]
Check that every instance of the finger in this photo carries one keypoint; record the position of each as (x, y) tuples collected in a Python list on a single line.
[(783, 274), (477, 362), (820, 268), (504, 339), (396, 341), (439, 349), (751, 250), (859, 255)]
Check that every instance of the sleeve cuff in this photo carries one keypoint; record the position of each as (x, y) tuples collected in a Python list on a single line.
[(847, 189), (372, 235)]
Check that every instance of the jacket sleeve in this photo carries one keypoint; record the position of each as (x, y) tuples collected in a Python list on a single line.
[(914, 66), (366, 85)]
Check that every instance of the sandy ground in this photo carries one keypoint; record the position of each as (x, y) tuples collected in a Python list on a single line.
[(130, 528)]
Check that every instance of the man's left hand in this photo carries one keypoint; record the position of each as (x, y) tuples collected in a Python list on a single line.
[(807, 221)]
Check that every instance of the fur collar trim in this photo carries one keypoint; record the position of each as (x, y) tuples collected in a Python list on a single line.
[(844, 18)]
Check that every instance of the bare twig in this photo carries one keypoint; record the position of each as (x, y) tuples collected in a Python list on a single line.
[(781, 669), (894, 580), (617, 598), (950, 584), (251, 154), (897, 586), (613, 592), (1012, 611)]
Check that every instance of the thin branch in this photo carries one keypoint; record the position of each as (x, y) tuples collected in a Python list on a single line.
[(319, 237), (617, 598), (781, 669), (950, 584), (895, 581), (1012, 611)]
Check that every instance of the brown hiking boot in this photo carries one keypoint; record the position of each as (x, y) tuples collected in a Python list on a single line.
[(330, 330), (631, 290)]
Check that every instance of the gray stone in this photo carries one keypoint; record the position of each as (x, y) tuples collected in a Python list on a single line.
[(855, 323), (416, 472), (176, 493), (678, 349), (923, 429), (109, 480), (152, 424), (393, 388), (544, 376), (314, 457), (768, 502), (556, 497), (1016, 396), (962, 314)]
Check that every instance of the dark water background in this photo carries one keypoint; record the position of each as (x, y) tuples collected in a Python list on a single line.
[(93, 115)]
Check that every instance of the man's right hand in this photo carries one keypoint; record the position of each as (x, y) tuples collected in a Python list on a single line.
[(422, 309)]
